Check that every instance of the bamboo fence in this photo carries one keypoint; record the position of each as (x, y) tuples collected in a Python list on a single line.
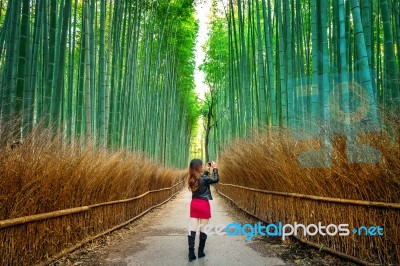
[(43, 238), (273, 207)]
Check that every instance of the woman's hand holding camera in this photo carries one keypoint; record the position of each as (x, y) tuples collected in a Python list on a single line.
[(211, 165)]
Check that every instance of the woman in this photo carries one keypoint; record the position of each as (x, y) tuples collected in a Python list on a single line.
[(199, 183)]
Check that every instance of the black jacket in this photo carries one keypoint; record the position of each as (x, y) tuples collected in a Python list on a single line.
[(203, 190)]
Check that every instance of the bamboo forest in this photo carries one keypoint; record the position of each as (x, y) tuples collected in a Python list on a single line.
[(86, 68), (106, 104), (302, 64)]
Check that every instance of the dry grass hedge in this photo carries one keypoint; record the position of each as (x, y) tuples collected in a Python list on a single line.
[(44, 175), (269, 161)]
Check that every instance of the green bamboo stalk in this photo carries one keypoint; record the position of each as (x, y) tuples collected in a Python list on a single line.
[(271, 77), (24, 61), (262, 89), (245, 86), (365, 76), (392, 87), (58, 80), (88, 96), (102, 75)]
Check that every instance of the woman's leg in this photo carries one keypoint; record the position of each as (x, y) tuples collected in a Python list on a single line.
[(203, 223), (202, 238), (194, 223)]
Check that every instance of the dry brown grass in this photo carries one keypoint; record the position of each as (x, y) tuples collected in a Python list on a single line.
[(269, 161), (43, 174)]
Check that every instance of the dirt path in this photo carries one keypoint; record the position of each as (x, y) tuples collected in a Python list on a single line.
[(160, 238)]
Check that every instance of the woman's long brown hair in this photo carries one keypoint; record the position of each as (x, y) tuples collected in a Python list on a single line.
[(194, 174)]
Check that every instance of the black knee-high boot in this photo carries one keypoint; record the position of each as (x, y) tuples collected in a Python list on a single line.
[(202, 242), (191, 240)]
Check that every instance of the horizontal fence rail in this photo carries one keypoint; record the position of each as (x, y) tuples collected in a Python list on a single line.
[(43, 238), (273, 206), (55, 214), (318, 198)]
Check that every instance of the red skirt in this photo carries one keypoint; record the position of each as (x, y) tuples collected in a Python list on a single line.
[(200, 208)]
